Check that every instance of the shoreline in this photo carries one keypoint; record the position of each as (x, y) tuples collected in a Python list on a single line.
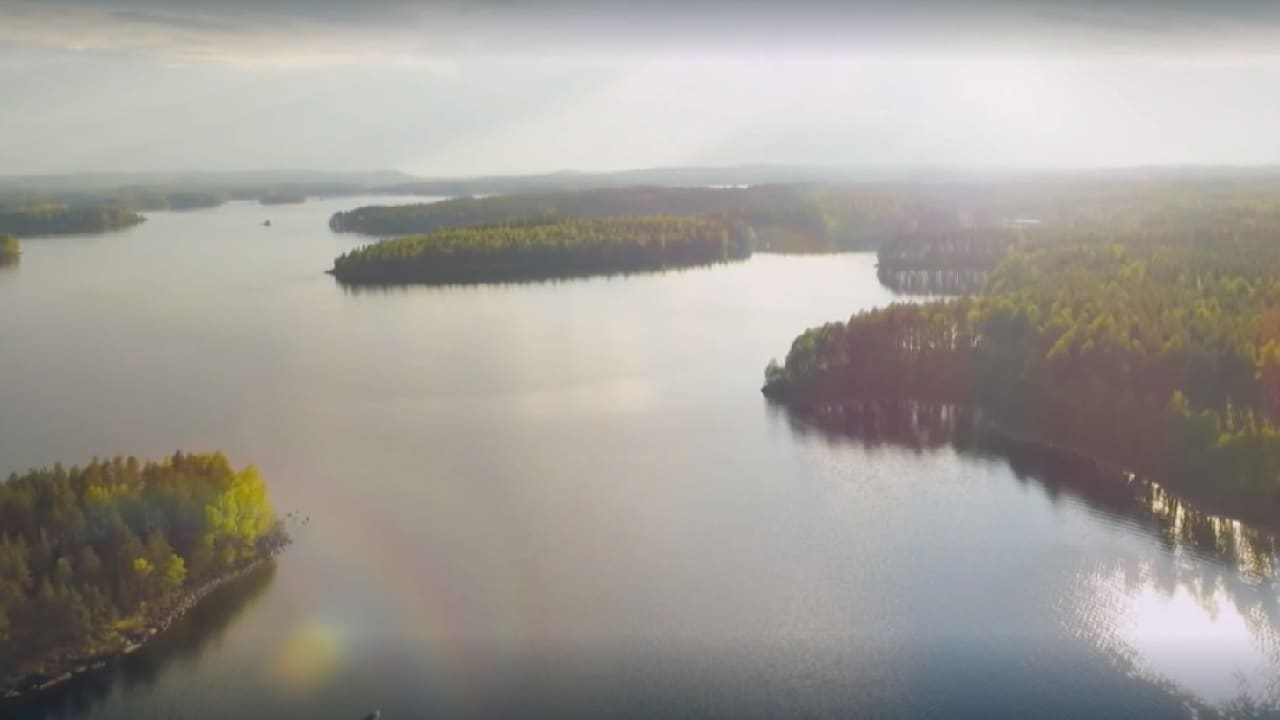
[(498, 276), (23, 687), (1255, 513), (506, 271)]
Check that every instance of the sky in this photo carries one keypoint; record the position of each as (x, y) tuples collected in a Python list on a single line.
[(470, 87)]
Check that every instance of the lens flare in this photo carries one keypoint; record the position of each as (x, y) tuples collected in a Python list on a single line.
[(309, 655)]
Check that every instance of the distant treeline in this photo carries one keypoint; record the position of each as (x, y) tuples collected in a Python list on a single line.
[(973, 227), (122, 199), (42, 212), (941, 282), (53, 219), (180, 194), (1160, 357), (964, 248), (794, 218), (283, 198), (90, 555), (959, 225), (199, 198), (547, 248), (156, 199)]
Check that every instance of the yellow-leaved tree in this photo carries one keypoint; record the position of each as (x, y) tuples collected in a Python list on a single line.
[(239, 517)]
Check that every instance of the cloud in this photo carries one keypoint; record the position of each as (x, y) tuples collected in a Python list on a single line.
[(306, 31)]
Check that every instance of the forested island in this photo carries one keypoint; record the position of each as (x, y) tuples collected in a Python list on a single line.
[(549, 248), (59, 219), (1156, 353), (10, 250), (96, 559)]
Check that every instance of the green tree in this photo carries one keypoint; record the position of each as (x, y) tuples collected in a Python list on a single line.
[(85, 546), (10, 250)]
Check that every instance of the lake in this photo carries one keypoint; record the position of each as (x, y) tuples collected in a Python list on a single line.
[(569, 499)]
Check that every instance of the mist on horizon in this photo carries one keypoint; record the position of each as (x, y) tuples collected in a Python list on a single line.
[(476, 88)]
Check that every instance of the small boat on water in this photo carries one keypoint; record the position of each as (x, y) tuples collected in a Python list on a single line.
[(375, 715), (266, 223)]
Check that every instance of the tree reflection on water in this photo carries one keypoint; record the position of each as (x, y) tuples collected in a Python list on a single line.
[(182, 643), (1201, 612)]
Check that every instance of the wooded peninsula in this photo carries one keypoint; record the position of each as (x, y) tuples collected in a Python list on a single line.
[(96, 559), (1147, 338), (550, 248)]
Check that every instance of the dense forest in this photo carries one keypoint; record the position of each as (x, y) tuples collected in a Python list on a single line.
[(155, 199), (10, 250), (971, 227), (57, 219), (961, 224), (470, 211), (555, 247), (90, 556), (792, 218), (1160, 357)]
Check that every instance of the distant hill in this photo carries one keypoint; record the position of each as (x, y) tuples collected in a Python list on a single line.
[(149, 191), (184, 190), (662, 177)]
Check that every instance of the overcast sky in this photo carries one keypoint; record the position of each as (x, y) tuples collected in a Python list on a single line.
[(502, 86)]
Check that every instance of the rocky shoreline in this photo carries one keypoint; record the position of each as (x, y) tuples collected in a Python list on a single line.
[(70, 665)]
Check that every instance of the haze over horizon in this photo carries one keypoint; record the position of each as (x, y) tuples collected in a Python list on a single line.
[(459, 89)]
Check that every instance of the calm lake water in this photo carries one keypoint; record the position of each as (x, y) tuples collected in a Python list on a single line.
[(569, 499)]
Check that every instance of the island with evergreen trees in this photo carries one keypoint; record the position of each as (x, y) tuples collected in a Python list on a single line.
[(62, 219), (95, 560), (549, 248), (10, 250), (1157, 353)]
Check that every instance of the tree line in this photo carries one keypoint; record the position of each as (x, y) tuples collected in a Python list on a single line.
[(943, 224), (784, 218), (554, 247), (972, 227), (190, 193), (1164, 359), (90, 553)]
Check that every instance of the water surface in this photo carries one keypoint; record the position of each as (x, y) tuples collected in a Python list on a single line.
[(569, 499)]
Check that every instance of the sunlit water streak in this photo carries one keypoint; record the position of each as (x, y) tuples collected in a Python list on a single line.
[(1195, 608), (1203, 615)]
